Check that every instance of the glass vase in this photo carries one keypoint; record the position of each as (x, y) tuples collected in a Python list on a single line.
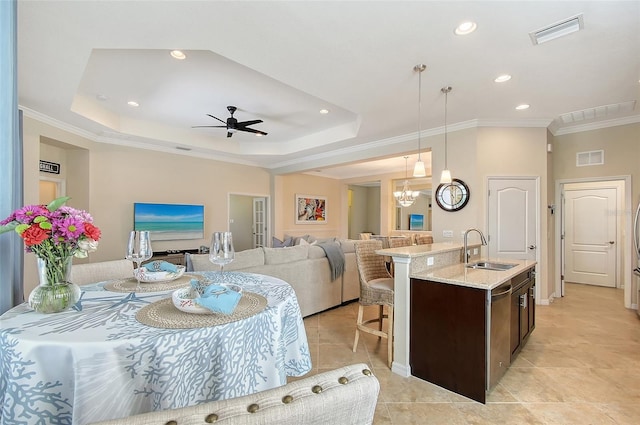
[(54, 293)]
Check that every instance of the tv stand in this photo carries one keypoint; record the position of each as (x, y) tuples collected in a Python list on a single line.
[(176, 257)]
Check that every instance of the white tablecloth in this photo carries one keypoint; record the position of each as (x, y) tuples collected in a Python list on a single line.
[(98, 362)]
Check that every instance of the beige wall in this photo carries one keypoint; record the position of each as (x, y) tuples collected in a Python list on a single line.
[(621, 147), (303, 184)]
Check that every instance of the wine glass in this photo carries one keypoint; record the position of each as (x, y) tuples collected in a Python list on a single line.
[(221, 251), (139, 250)]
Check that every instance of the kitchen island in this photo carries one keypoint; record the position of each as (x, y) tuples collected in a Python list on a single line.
[(434, 281)]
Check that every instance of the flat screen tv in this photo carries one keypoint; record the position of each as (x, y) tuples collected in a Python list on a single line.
[(416, 222), (168, 222)]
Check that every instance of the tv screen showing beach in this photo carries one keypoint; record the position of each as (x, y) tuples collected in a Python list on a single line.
[(169, 221)]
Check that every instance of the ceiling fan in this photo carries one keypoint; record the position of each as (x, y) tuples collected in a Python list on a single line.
[(232, 125)]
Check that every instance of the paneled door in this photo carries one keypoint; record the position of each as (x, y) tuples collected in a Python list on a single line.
[(591, 228), (513, 218), (259, 222)]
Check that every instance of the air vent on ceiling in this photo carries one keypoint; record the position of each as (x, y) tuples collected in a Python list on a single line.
[(557, 30), (598, 112), (584, 159)]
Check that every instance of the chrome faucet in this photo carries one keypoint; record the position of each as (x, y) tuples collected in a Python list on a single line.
[(483, 240)]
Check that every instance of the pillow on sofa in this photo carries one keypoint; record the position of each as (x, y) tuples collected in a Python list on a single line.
[(247, 258), (286, 254), (304, 242), (277, 243)]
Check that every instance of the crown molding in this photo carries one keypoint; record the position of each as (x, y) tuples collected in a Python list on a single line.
[(633, 119)]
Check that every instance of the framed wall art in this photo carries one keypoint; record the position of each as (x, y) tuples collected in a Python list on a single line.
[(311, 209)]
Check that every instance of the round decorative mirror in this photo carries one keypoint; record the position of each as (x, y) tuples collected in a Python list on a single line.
[(452, 196)]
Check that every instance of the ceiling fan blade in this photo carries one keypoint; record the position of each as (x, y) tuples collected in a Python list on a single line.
[(247, 123), (213, 126), (224, 122), (252, 130)]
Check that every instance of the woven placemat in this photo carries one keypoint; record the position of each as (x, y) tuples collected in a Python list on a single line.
[(131, 285), (163, 314)]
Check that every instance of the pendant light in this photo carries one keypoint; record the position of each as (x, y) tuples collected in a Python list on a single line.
[(407, 197), (418, 169), (445, 178)]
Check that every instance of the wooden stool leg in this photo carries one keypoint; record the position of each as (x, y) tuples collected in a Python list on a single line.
[(358, 323), (380, 315)]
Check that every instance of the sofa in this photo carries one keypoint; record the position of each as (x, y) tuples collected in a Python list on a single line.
[(304, 266), (347, 395)]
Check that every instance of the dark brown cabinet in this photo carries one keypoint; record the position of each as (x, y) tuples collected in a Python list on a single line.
[(523, 306), (449, 336)]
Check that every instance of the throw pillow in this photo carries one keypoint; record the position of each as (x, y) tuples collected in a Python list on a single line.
[(277, 243), (285, 255)]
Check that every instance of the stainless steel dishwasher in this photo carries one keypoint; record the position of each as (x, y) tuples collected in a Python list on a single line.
[(498, 323)]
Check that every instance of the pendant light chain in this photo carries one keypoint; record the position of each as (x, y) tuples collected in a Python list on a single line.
[(419, 169), (446, 173), (419, 110), (446, 100)]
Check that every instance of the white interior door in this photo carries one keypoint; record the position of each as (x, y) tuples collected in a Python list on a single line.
[(591, 229), (259, 222), (512, 218)]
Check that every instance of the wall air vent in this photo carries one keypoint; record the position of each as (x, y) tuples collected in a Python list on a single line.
[(557, 30), (584, 159)]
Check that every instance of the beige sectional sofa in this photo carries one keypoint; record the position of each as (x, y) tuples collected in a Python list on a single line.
[(305, 267)]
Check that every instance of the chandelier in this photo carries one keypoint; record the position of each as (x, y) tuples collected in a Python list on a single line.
[(406, 197)]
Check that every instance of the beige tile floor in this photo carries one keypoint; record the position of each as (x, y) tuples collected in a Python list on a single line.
[(581, 365)]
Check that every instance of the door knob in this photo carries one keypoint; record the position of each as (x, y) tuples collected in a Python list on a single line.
[(532, 247)]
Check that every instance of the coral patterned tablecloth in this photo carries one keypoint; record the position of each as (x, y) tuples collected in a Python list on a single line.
[(97, 362)]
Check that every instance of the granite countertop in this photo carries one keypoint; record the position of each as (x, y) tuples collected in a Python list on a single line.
[(414, 251), (458, 274)]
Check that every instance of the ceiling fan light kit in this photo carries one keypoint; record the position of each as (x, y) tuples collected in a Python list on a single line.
[(232, 125)]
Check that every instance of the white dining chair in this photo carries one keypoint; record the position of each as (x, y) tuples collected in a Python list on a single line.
[(82, 274)]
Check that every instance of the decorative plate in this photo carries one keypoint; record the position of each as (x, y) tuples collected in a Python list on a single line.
[(164, 276)]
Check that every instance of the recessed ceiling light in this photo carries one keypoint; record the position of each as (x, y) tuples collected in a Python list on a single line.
[(466, 28), (178, 54), (324, 111), (522, 107), (502, 78), (133, 103)]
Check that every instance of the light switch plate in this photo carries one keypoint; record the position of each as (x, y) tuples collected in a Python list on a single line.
[(447, 233)]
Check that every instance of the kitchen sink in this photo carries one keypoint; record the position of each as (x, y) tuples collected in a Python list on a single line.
[(488, 265)]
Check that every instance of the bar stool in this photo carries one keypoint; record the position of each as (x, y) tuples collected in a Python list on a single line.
[(376, 288)]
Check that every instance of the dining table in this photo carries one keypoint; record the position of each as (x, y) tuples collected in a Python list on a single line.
[(124, 349)]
